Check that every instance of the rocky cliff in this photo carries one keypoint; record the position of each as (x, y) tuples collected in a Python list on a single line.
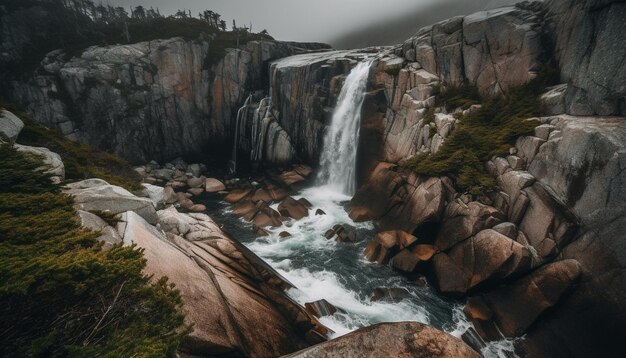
[(542, 255)]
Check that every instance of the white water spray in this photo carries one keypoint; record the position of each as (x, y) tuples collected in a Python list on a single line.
[(338, 158)]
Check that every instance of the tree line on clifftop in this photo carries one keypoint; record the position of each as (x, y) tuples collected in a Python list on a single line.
[(74, 25)]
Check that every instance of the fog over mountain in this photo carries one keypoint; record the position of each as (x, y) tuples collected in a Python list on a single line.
[(343, 24)]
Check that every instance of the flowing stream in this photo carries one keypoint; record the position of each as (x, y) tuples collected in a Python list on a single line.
[(335, 271)]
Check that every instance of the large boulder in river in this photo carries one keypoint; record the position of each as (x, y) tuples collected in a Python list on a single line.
[(232, 299), (400, 340), (292, 208), (514, 308)]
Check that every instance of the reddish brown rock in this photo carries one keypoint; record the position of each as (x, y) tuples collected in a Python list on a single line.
[(515, 307), (293, 208), (212, 185), (236, 195), (387, 244), (462, 221), (399, 199), (398, 340), (394, 294), (261, 195)]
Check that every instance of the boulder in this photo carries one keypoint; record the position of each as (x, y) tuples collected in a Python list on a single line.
[(156, 194), (515, 307), (93, 222), (399, 199), (461, 221), (320, 308), (319, 212), (261, 195), (400, 339), (234, 310), (212, 185), (292, 208), (488, 256), (195, 191), (10, 126), (236, 195), (394, 294), (196, 182), (101, 196), (52, 162), (387, 244)]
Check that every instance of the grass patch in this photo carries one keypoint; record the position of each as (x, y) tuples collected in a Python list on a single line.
[(482, 134), (456, 96), (81, 161), (56, 283)]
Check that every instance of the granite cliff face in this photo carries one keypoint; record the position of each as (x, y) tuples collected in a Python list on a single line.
[(541, 256)]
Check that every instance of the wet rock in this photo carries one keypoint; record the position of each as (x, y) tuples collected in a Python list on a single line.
[(393, 294), (293, 208), (267, 216), (515, 307), (212, 185), (329, 234), (195, 191), (320, 308), (197, 208), (305, 202), (261, 195), (277, 194), (347, 235), (291, 177), (236, 195), (196, 182), (284, 234), (381, 340), (259, 231), (387, 244)]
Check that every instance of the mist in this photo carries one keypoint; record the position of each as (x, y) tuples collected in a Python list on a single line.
[(341, 23)]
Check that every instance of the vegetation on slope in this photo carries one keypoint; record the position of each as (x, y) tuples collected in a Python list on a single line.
[(81, 161), (483, 133), (73, 25), (60, 294)]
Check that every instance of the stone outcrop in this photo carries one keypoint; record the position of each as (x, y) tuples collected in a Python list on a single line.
[(402, 339), (513, 309), (149, 100), (10, 126), (587, 35), (52, 163), (98, 195)]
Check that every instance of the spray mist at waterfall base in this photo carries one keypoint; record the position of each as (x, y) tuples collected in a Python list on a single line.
[(338, 272)]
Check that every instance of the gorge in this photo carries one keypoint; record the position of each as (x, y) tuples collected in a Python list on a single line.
[(469, 179)]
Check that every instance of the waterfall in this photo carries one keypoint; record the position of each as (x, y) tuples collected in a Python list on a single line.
[(338, 157), (241, 116)]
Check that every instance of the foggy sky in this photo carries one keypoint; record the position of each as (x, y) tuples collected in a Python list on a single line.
[(301, 20)]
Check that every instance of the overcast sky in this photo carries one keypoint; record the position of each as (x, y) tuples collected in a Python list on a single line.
[(298, 20)]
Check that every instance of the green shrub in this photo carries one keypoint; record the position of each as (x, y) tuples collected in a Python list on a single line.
[(453, 97), (484, 133), (81, 161), (60, 294)]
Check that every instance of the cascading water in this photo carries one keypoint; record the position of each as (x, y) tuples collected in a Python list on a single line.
[(241, 116), (335, 271), (338, 157)]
